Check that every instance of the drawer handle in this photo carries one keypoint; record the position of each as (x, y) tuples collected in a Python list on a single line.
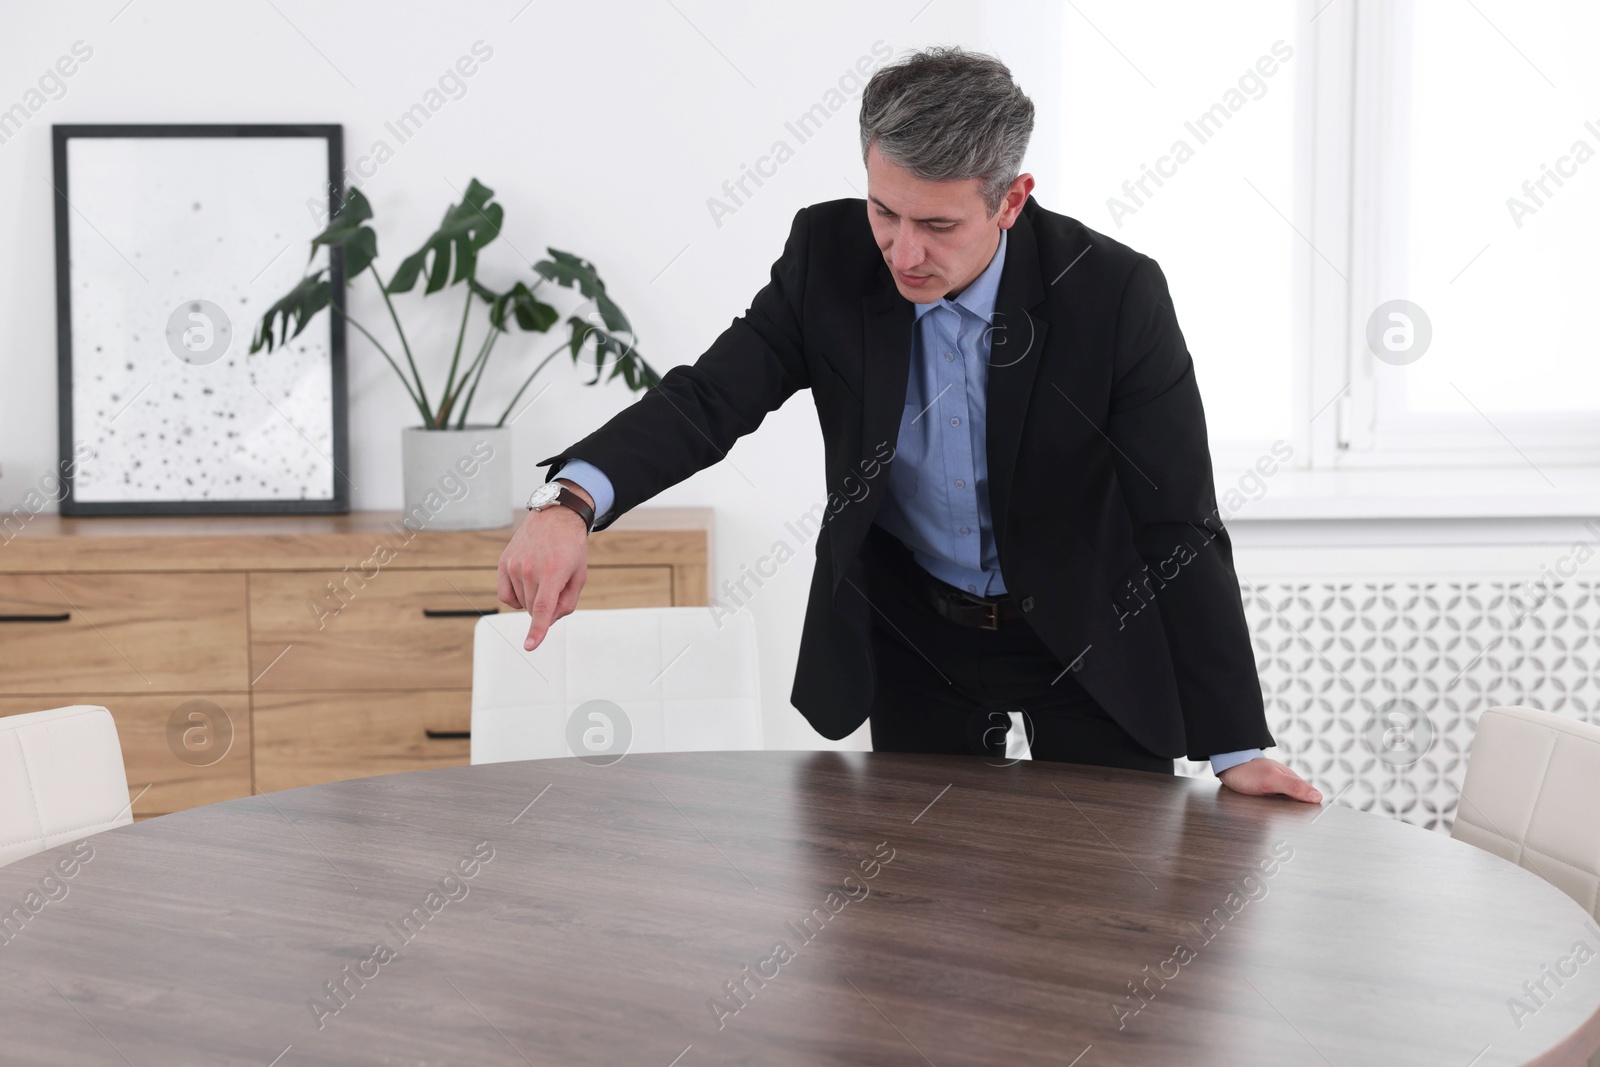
[(448, 735), (457, 613), (64, 616)]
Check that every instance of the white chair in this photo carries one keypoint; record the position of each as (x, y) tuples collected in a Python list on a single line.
[(610, 681), (1532, 794), (61, 778)]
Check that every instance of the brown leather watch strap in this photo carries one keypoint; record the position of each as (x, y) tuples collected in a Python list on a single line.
[(568, 498)]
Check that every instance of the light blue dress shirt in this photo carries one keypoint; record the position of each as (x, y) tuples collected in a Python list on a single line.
[(938, 500), (938, 496)]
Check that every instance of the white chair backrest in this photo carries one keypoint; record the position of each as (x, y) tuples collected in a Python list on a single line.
[(609, 681), (1532, 796), (61, 778)]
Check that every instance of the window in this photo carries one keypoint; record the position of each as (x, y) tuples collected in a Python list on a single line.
[(1485, 164), (1180, 144), (1376, 216)]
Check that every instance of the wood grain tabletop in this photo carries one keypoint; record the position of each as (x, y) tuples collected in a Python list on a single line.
[(786, 908)]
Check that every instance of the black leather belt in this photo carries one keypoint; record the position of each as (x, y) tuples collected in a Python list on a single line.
[(964, 609)]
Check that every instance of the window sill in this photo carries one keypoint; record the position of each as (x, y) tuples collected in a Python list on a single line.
[(1413, 493)]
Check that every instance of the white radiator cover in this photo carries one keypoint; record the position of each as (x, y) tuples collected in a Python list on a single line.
[(1430, 634)]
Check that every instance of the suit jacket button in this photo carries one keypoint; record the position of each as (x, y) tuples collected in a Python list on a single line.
[(1027, 603)]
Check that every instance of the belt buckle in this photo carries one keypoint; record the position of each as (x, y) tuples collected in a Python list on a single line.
[(990, 617)]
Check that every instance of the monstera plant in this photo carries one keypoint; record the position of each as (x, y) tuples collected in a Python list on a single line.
[(440, 453)]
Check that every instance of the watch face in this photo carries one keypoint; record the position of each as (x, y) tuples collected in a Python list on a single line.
[(545, 494)]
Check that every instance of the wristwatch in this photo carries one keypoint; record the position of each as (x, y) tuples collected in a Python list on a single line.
[(553, 492)]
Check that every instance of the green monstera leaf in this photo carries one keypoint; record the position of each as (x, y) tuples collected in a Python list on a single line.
[(568, 271), (531, 313), (359, 242), (465, 228), (297, 306), (610, 350)]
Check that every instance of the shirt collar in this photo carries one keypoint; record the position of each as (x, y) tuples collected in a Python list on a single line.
[(979, 297)]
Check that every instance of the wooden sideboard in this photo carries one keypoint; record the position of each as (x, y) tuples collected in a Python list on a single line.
[(254, 653)]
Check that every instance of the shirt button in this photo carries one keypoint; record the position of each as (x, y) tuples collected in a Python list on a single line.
[(972, 589), (1027, 603), (965, 530), (961, 485), (948, 356), (955, 422)]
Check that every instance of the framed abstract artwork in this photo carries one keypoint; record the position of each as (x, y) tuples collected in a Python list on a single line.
[(171, 242)]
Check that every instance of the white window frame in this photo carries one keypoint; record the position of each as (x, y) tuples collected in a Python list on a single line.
[(1351, 149)]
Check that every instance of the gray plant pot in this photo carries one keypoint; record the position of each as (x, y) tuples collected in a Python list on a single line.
[(456, 479)]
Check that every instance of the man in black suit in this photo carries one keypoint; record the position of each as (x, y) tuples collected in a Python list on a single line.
[(1021, 525)]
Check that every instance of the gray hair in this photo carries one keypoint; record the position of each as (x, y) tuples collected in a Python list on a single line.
[(946, 114)]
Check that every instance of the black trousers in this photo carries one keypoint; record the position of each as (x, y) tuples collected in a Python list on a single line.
[(947, 688)]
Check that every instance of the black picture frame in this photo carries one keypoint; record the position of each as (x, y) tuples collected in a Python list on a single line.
[(338, 500)]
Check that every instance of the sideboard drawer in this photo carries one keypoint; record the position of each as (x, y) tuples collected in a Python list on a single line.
[(164, 772), (310, 738), (395, 630), (120, 633), (398, 630)]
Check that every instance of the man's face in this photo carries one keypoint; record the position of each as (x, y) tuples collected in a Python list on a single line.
[(936, 237)]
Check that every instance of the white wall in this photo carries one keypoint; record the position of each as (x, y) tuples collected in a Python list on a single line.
[(602, 127)]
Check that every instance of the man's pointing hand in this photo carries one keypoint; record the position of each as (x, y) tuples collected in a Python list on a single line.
[(545, 565)]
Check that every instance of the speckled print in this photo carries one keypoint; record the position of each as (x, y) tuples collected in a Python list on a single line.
[(160, 222)]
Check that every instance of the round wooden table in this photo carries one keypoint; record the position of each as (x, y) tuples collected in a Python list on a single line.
[(786, 908)]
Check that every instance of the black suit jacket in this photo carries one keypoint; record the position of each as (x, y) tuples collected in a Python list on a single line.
[(1100, 484)]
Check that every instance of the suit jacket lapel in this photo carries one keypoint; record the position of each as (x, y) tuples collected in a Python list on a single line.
[(1016, 348), (887, 335), (887, 321)]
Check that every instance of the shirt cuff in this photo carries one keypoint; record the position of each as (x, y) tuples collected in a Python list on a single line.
[(593, 481), (1223, 760)]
